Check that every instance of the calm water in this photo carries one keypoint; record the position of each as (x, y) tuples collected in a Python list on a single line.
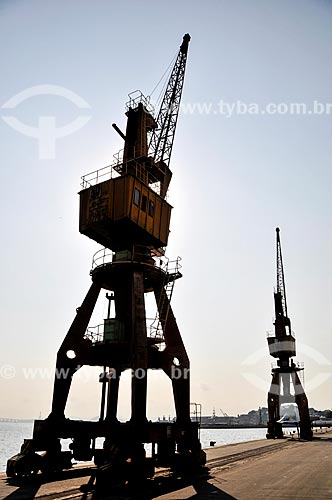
[(12, 435)]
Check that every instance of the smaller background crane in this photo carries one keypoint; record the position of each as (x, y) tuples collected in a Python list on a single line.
[(282, 347)]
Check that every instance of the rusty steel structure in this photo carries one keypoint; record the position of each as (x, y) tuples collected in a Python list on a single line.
[(282, 347), (124, 208)]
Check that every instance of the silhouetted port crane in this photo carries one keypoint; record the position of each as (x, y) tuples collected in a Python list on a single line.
[(123, 207), (282, 346)]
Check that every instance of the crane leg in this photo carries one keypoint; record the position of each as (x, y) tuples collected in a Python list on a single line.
[(175, 361), (138, 351), (274, 428), (302, 404), (73, 345)]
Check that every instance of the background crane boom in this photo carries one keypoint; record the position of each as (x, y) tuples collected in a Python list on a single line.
[(281, 288)]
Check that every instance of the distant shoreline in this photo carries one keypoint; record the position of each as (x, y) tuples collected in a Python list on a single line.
[(202, 426), (17, 420)]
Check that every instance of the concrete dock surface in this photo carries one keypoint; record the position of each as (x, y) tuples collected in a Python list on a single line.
[(255, 470)]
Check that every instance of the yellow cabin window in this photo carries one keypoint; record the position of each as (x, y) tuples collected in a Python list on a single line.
[(144, 203), (151, 208), (137, 196)]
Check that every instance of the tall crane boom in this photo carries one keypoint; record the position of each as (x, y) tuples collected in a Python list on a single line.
[(161, 142), (281, 288), (282, 322)]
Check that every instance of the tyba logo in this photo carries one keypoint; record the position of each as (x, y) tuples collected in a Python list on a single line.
[(46, 132)]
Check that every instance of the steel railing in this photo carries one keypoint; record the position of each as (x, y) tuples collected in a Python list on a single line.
[(271, 333), (118, 168), (136, 98), (139, 253), (95, 333)]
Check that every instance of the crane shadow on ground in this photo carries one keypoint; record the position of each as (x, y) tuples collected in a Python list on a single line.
[(169, 488), (27, 488), (166, 488), (204, 490), (26, 492)]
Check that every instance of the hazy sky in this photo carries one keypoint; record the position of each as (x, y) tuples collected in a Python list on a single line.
[(235, 179)]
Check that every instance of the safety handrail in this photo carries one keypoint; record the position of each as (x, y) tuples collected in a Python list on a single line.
[(172, 268), (102, 257), (135, 98), (271, 333), (106, 256), (95, 333), (119, 168), (297, 364)]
